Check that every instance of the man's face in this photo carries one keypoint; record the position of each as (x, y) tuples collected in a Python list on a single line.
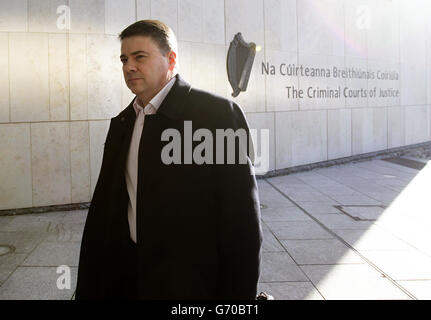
[(145, 69)]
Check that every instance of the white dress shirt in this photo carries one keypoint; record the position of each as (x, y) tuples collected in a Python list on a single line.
[(132, 158)]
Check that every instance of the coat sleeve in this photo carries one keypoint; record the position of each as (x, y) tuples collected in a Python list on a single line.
[(90, 278), (239, 230)]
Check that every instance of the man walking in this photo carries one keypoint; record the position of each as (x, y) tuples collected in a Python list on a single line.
[(160, 230)]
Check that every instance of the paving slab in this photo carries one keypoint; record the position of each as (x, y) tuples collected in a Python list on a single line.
[(8, 264), (54, 254), (371, 187), (25, 223), (64, 231), (385, 198), (75, 216), (22, 241), (373, 238), (401, 265), (339, 191), (364, 212), (5, 220), (421, 289), (351, 180), (279, 266), (314, 207), (37, 283), (312, 196), (284, 214), (270, 243), (296, 230), (290, 290), (352, 282), (355, 200), (327, 251), (287, 180), (317, 180), (270, 197), (342, 221), (396, 166)]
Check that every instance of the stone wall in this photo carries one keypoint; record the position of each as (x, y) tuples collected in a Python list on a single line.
[(60, 84)]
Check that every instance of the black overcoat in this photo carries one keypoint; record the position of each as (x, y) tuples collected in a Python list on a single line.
[(198, 225)]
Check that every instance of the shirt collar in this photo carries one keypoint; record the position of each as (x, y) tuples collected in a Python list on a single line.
[(157, 100)]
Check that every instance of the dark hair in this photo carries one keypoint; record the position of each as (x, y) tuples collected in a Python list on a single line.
[(160, 32)]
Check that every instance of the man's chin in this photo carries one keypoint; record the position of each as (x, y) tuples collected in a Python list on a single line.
[(135, 90)]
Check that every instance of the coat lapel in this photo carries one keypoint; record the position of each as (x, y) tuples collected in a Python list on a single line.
[(125, 123), (172, 107), (169, 114), (174, 103)]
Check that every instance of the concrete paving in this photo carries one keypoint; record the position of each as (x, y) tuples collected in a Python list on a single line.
[(351, 231)]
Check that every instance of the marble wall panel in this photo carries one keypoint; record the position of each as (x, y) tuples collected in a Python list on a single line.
[(4, 77), (98, 131), (429, 122), (80, 161), (214, 22), (58, 77), (119, 15), (416, 124), (50, 162), (428, 53), (358, 20), (413, 52), (321, 27), (201, 21), (327, 81), (28, 67), (15, 166), (203, 66), (221, 83), (191, 20), (396, 125), (381, 83), (356, 82), (300, 138), (339, 133), (281, 25), (143, 8), (413, 25), (413, 83), (78, 77), (260, 121), (383, 35), (184, 60), (13, 15), (253, 99), (369, 130), (104, 76), (245, 16), (47, 16), (87, 16), (278, 96), (166, 11)]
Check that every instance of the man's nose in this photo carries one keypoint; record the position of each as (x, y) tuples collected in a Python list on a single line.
[(130, 67)]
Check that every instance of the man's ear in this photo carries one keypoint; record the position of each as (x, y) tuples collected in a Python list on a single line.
[(172, 56)]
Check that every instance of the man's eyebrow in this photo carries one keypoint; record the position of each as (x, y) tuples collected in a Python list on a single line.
[(134, 53)]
